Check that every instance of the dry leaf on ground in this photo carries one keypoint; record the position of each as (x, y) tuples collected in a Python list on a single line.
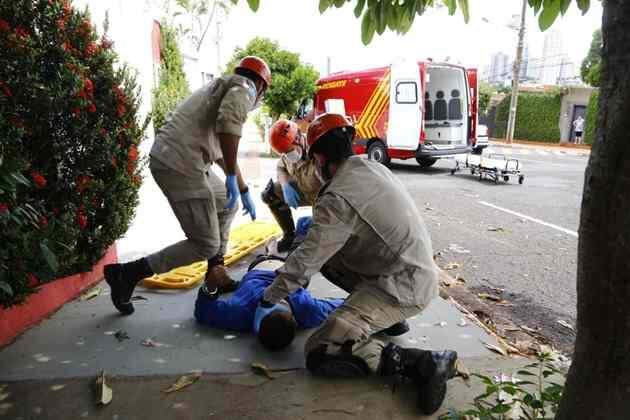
[(441, 324), (260, 369), (183, 382), (91, 294), (121, 335), (452, 266), (104, 393), (566, 325), (462, 372), (496, 348), (496, 229)]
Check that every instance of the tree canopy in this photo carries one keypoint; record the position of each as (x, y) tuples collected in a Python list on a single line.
[(590, 69)]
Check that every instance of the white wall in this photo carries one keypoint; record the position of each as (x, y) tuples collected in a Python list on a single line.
[(130, 27)]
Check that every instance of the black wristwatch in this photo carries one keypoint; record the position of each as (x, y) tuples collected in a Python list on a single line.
[(211, 294)]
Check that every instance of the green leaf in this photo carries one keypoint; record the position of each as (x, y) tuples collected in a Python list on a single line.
[(50, 258), (381, 17), (564, 6), (525, 372), (358, 9), (6, 288), (550, 11), (463, 4), (584, 5), (254, 4), (339, 3), (500, 409), (367, 28), (535, 4), (323, 5), (452, 6)]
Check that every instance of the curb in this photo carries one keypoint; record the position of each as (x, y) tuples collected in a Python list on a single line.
[(542, 143), (50, 297)]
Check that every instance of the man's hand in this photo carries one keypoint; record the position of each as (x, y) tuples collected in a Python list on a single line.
[(233, 192), (248, 204), (265, 308), (291, 196)]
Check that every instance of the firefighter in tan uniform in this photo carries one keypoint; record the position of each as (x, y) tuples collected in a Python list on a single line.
[(298, 181), (368, 238), (203, 130)]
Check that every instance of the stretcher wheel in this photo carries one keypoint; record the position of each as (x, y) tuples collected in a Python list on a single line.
[(521, 179), (506, 178)]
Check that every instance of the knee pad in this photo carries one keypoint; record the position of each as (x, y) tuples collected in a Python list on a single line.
[(341, 365), (269, 196)]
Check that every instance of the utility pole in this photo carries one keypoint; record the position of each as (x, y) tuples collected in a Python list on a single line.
[(509, 133)]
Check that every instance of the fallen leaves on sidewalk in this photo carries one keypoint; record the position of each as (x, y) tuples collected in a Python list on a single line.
[(183, 382), (452, 266), (462, 371), (462, 323), (566, 325), (262, 370), (495, 229), (488, 296), (104, 393), (495, 348), (91, 294), (441, 324), (121, 335)]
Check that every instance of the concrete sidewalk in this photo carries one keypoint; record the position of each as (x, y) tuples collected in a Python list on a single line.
[(49, 369)]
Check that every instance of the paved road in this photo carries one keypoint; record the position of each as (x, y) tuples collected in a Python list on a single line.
[(534, 257)]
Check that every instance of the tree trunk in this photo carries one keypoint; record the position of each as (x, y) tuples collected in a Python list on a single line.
[(598, 384)]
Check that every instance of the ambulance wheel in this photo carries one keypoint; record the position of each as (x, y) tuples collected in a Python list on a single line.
[(506, 178), (378, 152), (426, 162)]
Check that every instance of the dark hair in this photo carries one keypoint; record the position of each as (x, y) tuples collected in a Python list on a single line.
[(335, 145), (277, 330), (251, 75)]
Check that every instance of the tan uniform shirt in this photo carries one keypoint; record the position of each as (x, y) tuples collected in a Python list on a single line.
[(188, 141), (304, 172), (367, 217)]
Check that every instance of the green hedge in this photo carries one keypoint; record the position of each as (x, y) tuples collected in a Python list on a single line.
[(591, 118), (536, 118)]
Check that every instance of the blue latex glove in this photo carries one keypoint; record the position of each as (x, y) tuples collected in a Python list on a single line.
[(303, 225), (291, 196), (248, 205), (231, 185), (262, 312)]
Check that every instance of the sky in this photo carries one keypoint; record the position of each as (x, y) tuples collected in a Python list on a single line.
[(298, 26)]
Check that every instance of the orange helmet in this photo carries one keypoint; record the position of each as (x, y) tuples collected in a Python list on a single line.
[(323, 124), (283, 135), (258, 66)]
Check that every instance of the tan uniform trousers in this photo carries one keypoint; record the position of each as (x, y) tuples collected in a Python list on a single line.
[(199, 205), (365, 312)]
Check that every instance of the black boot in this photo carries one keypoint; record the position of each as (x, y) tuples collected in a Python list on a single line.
[(122, 279), (284, 218), (397, 329), (429, 371)]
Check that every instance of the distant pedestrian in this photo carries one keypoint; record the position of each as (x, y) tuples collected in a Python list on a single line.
[(578, 127)]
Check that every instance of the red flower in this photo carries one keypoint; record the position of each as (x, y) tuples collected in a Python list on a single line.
[(4, 26), (137, 180), (91, 108), (76, 112), (106, 43), (132, 155), (66, 46), (103, 132), (121, 109), (32, 280), (38, 179), (83, 182), (88, 86), (4, 207), (43, 221), (21, 32), (81, 220), (91, 49), (6, 89), (61, 24)]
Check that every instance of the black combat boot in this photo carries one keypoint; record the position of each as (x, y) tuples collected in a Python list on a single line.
[(429, 371), (122, 280), (397, 329), (284, 218)]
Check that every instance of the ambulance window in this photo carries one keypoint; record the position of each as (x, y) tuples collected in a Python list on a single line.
[(406, 93)]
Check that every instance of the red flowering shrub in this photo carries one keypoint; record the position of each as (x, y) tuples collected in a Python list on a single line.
[(69, 164)]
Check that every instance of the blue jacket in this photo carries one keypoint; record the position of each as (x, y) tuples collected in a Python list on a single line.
[(237, 311)]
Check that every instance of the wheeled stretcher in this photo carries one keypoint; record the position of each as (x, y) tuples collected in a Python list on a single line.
[(494, 166)]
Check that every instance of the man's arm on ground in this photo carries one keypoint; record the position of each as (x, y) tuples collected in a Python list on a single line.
[(222, 314), (326, 236)]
